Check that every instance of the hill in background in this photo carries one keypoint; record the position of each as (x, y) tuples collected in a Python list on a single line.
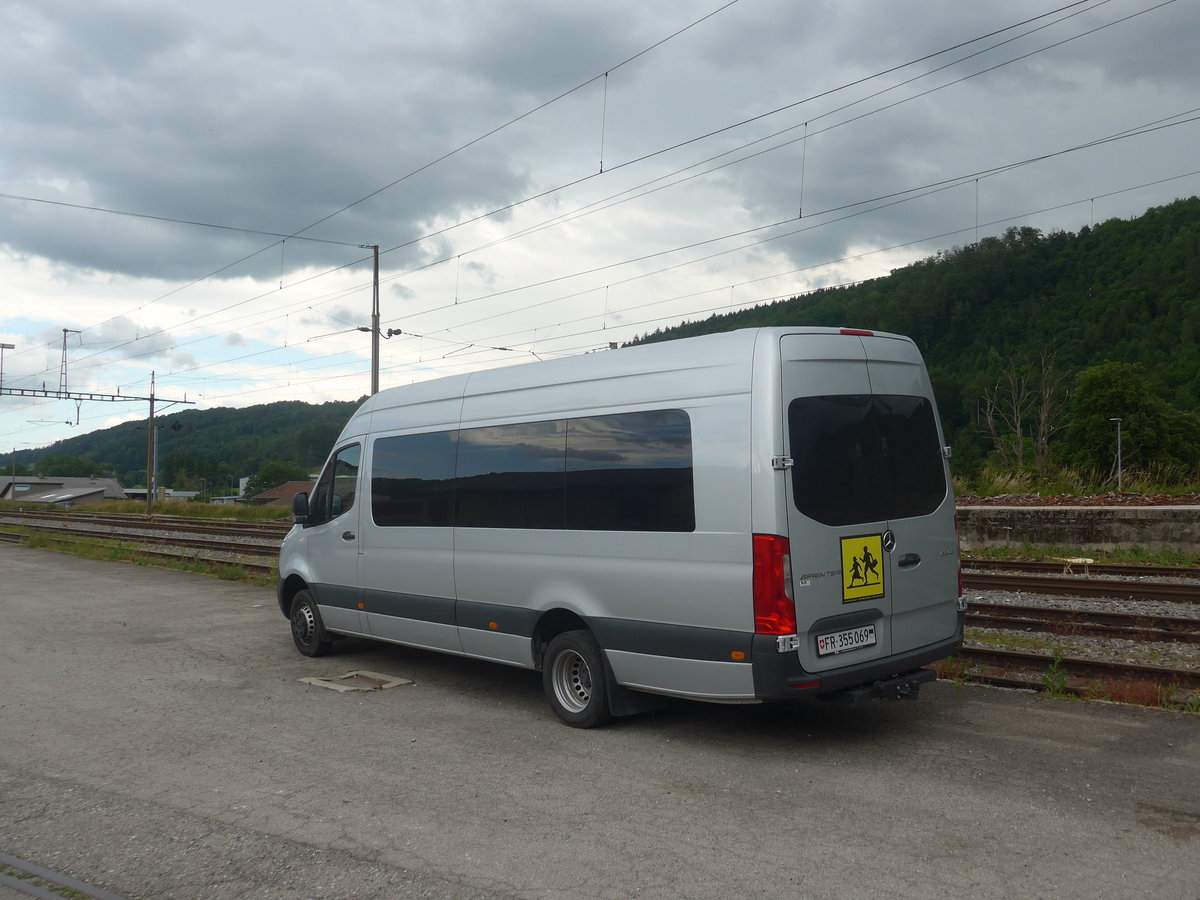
[(1124, 291), (216, 445)]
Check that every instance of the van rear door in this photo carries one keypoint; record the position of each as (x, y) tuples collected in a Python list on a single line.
[(870, 513)]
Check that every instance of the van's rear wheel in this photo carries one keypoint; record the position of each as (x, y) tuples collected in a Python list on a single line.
[(573, 675), (308, 631)]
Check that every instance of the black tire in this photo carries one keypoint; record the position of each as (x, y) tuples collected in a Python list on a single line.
[(574, 676), (308, 631)]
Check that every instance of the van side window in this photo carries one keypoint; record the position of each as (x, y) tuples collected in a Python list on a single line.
[(623, 472), (865, 458), (511, 476), (334, 493), (630, 472), (412, 479)]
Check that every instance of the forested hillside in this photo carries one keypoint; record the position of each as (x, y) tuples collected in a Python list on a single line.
[(216, 445), (1126, 291), (1034, 342), (992, 314)]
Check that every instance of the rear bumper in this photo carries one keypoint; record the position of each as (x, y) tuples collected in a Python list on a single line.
[(779, 676)]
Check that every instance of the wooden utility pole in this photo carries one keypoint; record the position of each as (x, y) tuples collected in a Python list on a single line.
[(375, 325), (151, 432)]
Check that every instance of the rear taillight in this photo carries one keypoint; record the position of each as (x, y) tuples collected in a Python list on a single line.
[(774, 611)]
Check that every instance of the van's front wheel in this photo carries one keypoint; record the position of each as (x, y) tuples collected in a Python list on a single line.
[(308, 631), (574, 678)]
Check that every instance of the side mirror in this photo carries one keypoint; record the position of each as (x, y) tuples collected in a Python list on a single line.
[(337, 504), (300, 508)]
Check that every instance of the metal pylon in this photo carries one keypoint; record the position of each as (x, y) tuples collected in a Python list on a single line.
[(62, 369)]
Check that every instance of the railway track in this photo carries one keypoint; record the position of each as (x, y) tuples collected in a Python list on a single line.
[(268, 528), (236, 547), (1014, 668), (1065, 567), (1066, 622), (1059, 585), (245, 562), (192, 542)]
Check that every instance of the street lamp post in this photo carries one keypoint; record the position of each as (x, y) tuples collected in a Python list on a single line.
[(1118, 421)]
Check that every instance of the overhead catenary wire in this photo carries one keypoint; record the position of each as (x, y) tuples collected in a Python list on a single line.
[(481, 346), (894, 197), (298, 234), (543, 194), (261, 295)]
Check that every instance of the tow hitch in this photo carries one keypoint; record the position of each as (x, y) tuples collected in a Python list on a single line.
[(904, 687), (901, 687)]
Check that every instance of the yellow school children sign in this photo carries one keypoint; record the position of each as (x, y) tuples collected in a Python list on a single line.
[(862, 568)]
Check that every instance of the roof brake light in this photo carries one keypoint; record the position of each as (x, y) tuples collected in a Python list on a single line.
[(861, 332)]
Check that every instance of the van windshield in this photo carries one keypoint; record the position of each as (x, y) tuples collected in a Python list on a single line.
[(865, 458)]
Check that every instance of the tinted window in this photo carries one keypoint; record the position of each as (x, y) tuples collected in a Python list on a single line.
[(335, 490), (626, 472), (630, 472), (865, 458), (412, 479), (511, 476)]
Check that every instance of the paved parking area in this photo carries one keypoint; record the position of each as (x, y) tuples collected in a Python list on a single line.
[(156, 741)]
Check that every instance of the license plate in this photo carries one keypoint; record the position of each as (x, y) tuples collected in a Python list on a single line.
[(841, 641)]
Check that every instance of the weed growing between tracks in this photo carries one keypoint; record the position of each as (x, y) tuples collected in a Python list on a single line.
[(1055, 680)]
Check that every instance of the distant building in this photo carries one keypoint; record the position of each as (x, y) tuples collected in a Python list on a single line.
[(61, 490), (282, 495)]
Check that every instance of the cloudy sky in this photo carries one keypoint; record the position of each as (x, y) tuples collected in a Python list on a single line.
[(189, 187)]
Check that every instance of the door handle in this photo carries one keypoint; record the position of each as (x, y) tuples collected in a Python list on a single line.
[(347, 535), (908, 560)]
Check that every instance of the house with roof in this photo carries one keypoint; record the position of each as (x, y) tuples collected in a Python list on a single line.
[(282, 495), (61, 490)]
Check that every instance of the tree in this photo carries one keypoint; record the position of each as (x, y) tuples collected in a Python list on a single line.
[(1153, 432), (1005, 409), (272, 474), (1049, 402)]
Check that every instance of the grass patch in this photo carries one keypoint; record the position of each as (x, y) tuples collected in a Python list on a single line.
[(993, 481), (1127, 556), (134, 554), (1030, 642)]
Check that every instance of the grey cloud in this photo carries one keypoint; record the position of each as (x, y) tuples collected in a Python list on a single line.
[(271, 118)]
